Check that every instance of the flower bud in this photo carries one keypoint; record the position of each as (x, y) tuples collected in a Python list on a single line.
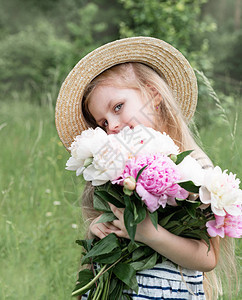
[(173, 157), (129, 183)]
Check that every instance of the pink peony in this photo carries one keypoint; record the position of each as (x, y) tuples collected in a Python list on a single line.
[(225, 225), (157, 184)]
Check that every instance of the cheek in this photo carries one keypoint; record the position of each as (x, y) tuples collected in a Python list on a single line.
[(139, 114), (146, 115), (129, 114)]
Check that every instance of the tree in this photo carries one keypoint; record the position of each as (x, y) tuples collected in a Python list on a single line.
[(177, 22)]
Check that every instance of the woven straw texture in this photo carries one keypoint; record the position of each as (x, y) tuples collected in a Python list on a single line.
[(159, 55)]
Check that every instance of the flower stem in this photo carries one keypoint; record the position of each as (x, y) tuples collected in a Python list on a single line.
[(101, 272), (98, 292), (75, 293), (93, 271), (106, 287)]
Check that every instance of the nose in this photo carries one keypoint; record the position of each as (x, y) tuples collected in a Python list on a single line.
[(113, 126)]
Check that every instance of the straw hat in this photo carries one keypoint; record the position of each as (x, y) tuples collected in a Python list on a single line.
[(159, 55)]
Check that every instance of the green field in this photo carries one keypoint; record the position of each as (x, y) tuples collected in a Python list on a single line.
[(40, 216)]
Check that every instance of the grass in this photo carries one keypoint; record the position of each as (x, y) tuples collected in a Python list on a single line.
[(40, 216), (38, 254), (225, 150)]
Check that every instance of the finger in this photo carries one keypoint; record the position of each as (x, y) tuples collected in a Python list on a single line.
[(98, 233), (121, 234), (101, 234), (118, 212), (110, 225), (95, 221), (99, 230), (117, 224)]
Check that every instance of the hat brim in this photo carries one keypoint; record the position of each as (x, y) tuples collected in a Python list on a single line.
[(159, 55)]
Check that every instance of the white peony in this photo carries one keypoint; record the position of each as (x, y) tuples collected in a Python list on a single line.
[(146, 140), (108, 163), (221, 190), (190, 169), (84, 147)]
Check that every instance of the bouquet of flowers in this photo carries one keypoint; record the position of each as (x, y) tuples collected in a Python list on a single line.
[(142, 171)]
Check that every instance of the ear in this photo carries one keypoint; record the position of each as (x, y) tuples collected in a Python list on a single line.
[(156, 97)]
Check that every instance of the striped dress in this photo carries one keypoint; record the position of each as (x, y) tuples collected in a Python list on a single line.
[(166, 281)]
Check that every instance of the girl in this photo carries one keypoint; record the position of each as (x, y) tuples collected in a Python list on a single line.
[(133, 86)]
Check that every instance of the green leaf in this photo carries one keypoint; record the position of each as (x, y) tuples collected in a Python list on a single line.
[(129, 217), (139, 212), (140, 172), (189, 186), (100, 204), (113, 284), (166, 219), (182, 155), (177, 231), (127, 274), (84, 277), (111, 189), (107, 217), (137, 254), (191, 211), (128, 203), (137, 196), (136, 215), (110, 257), (104, 195), (104, 246), (191, 208), (86, 244), (195, 234), (154, 218), (143, 251), (147, 263), (116, 289), (129, 223), (133, 246), (172, 224)]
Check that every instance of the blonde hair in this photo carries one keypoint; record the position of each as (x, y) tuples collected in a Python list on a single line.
[(169, 116)]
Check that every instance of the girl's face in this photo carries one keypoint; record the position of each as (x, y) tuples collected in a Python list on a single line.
[(114, 108)]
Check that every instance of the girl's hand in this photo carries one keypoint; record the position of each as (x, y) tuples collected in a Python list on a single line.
[(144, 229), (100, 229)]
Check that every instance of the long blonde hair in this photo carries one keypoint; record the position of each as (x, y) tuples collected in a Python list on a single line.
[(169, 116)]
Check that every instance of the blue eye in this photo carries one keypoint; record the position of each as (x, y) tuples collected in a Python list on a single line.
[(118, 107)]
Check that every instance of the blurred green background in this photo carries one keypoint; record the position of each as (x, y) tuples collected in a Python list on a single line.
[(40, 41)]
